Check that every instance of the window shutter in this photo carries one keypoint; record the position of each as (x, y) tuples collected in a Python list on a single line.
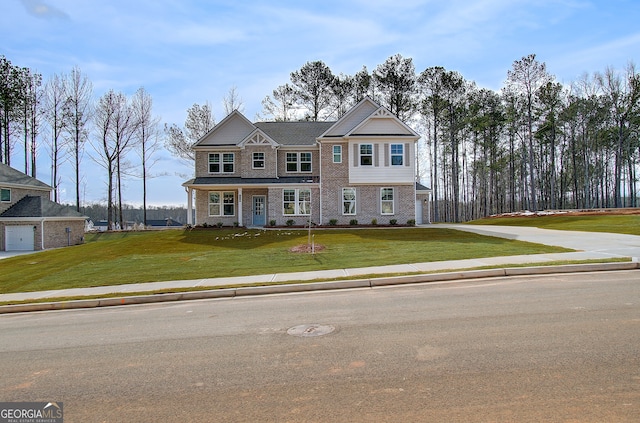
[(356, 155), (386, 155), (407, 155), (376, 155)]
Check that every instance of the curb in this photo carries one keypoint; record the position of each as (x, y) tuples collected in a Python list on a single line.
[(318, 286)]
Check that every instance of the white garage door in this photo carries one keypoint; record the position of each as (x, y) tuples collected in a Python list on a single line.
[(19, 238)]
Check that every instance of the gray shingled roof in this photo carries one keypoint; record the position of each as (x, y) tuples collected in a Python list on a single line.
[(9, 175), (35, 206), (294, 133)]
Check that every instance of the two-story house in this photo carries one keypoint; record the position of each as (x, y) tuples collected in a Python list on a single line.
[(29, 220), (361, 167)]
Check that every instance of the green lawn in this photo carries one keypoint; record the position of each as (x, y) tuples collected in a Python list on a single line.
[(132, 257), (621, 224)]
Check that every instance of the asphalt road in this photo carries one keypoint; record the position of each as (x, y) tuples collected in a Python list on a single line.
[(554, 349)]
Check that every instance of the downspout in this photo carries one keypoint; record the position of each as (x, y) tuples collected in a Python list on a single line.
[(42, 233), (319, 183)]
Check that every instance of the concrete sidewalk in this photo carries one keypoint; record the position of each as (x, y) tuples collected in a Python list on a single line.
[(590, 245)]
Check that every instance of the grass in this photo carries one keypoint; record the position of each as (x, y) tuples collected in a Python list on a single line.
[(386, 275), (134, 257), (621, 224)]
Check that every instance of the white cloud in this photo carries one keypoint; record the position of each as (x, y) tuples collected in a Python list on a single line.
[(42, 10)]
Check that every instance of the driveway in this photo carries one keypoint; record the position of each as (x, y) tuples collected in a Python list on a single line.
[(605, 243)]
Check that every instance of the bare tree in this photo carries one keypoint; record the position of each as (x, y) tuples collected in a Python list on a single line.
[(57, 116), (147, 137), (281, 105), (79, 97), (179, 141), (232, 101)]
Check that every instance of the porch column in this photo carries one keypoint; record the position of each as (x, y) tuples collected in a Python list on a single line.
[(189, 206), (240, 207)]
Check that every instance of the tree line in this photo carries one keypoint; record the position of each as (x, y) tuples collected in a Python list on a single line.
[(534, 144)]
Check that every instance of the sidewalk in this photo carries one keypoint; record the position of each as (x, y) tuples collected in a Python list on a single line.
[(591, 246)]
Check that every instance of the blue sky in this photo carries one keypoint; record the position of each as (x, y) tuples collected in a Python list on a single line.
[(186, 51)]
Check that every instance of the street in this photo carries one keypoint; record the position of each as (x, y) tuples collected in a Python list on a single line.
[(562, 348)]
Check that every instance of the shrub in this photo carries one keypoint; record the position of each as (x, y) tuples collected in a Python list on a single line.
[(272, 222), (411, 222), (374, 222), (393, 221), (353, 222), (204, 225), (290, 222), (236, 224), (219, 224), (333, 222)]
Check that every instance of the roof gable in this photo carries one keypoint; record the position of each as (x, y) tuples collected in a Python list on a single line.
[(352, 118), (232, 130), (382, 122), (13, 178), (258, 137)]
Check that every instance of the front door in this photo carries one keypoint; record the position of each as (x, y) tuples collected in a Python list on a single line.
[(259, 210)]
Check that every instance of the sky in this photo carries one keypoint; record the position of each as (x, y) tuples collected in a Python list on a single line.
[(195, 51)]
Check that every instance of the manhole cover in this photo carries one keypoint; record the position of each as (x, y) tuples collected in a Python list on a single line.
[(310, 330)]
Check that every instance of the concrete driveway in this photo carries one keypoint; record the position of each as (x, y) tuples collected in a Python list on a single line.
[(615, 245)]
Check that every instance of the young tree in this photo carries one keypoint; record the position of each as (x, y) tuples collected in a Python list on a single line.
[(147, 137), (79, 97), (395, 80), (180, 140), (312, 84)]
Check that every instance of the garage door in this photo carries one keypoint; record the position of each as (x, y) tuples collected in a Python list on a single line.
[(19, 238)]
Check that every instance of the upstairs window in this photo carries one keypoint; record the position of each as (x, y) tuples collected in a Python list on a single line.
[(292, 162), (258, 160), (337, 154), (397, 154), (305, 162), (221, 162), (366, 154), (298, 162), (5, 195)]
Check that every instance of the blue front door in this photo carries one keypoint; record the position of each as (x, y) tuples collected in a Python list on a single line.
[(259, 210)]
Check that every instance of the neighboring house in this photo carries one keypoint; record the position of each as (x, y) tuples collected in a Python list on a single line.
[(362, 167), (29, 220), (163, 223)]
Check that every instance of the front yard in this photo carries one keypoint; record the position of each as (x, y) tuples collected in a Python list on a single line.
[(133, 257)]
